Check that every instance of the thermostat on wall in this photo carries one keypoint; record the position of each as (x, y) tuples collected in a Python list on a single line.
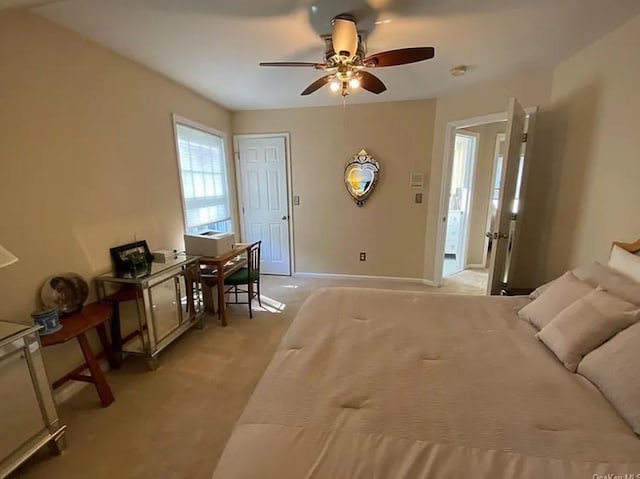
[(416, 181)]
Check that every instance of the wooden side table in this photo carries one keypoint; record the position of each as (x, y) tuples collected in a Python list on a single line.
[(93, 315), (224, 266), (129, 292)]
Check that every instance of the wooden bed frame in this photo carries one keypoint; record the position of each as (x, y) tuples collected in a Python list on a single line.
[(630, 247)]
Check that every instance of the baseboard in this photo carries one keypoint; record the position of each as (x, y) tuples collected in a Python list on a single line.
[(365, 277), (475, 266), (71, 387)]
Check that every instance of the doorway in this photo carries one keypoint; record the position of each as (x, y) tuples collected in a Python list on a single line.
[(264, 185), (501, 171), (467, 249), (460, 192)]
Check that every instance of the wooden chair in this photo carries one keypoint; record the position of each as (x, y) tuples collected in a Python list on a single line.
[(249, 276)]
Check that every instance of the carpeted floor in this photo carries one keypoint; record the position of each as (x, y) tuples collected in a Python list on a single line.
[(473, 278), (173, 422)]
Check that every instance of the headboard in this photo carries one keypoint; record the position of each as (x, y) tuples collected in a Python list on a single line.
[(630, 247)]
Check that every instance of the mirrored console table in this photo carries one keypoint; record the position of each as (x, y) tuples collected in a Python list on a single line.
[(29, 420), (168, 301)]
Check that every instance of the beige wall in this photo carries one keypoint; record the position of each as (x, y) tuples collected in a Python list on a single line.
[(87, 159), (531, 89), (329, 229), (592, 142), (481, 190)]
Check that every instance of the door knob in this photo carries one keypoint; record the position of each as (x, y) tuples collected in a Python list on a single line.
[(285, 217), (496, 236)]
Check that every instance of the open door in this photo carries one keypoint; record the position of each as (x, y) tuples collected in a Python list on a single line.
[(458, 217), (503, 231)]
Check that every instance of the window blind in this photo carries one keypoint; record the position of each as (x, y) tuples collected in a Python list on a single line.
[(203, 174)]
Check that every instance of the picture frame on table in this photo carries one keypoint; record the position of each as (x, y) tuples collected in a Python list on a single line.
[(132, 260)]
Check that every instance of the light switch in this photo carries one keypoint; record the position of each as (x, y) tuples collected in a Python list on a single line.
[(418, 198), (296, 200)]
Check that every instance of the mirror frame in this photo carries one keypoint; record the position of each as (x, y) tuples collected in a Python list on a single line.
[(362, 159)]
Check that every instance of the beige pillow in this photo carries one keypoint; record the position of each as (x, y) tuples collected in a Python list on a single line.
[(562, 292), (585, 325), (535, 294), (613, 368), (616, 283), (596, 274), (624, 262), (580, 273)]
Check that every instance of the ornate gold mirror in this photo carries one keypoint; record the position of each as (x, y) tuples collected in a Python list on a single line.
[(361, 176)]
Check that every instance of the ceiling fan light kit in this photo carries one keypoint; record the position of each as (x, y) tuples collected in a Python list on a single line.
[(346, 61), (345, 43)]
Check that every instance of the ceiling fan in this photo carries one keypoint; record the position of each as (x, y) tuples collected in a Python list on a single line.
[(346, 61)]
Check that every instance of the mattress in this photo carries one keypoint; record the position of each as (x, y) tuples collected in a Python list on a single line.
[(387, 384)]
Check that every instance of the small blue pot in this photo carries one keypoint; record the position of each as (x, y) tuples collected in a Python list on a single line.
[(48, 319)]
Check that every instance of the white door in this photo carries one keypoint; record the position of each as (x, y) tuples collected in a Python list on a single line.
[(502, 231), (264, 200), (494, 192), (464, 155)]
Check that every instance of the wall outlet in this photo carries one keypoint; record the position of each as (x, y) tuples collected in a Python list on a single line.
[(418, 198), (363, 256)]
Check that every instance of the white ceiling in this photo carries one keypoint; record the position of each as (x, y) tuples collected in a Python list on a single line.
[(214, 46)]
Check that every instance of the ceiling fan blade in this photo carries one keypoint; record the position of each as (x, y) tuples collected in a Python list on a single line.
[(371, 83), (317, 66), (399, 57), (316, 85)]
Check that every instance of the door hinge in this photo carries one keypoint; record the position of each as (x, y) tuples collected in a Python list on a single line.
[(525, 137)]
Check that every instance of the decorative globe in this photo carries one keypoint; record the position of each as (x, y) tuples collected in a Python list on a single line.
[(65, 292)]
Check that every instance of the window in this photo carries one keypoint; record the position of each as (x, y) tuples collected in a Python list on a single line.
[(203, 176)]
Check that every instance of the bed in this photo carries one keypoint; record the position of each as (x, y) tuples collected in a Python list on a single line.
[(389, 384)]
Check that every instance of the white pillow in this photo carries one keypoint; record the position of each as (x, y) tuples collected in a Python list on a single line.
[(616, 283), (624, 262), (558, 295), (596, 274), (584, 273), (613, 368), (585, 325)]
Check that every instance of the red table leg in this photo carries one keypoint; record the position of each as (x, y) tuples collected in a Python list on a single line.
[(106, 347), (98, 379)]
